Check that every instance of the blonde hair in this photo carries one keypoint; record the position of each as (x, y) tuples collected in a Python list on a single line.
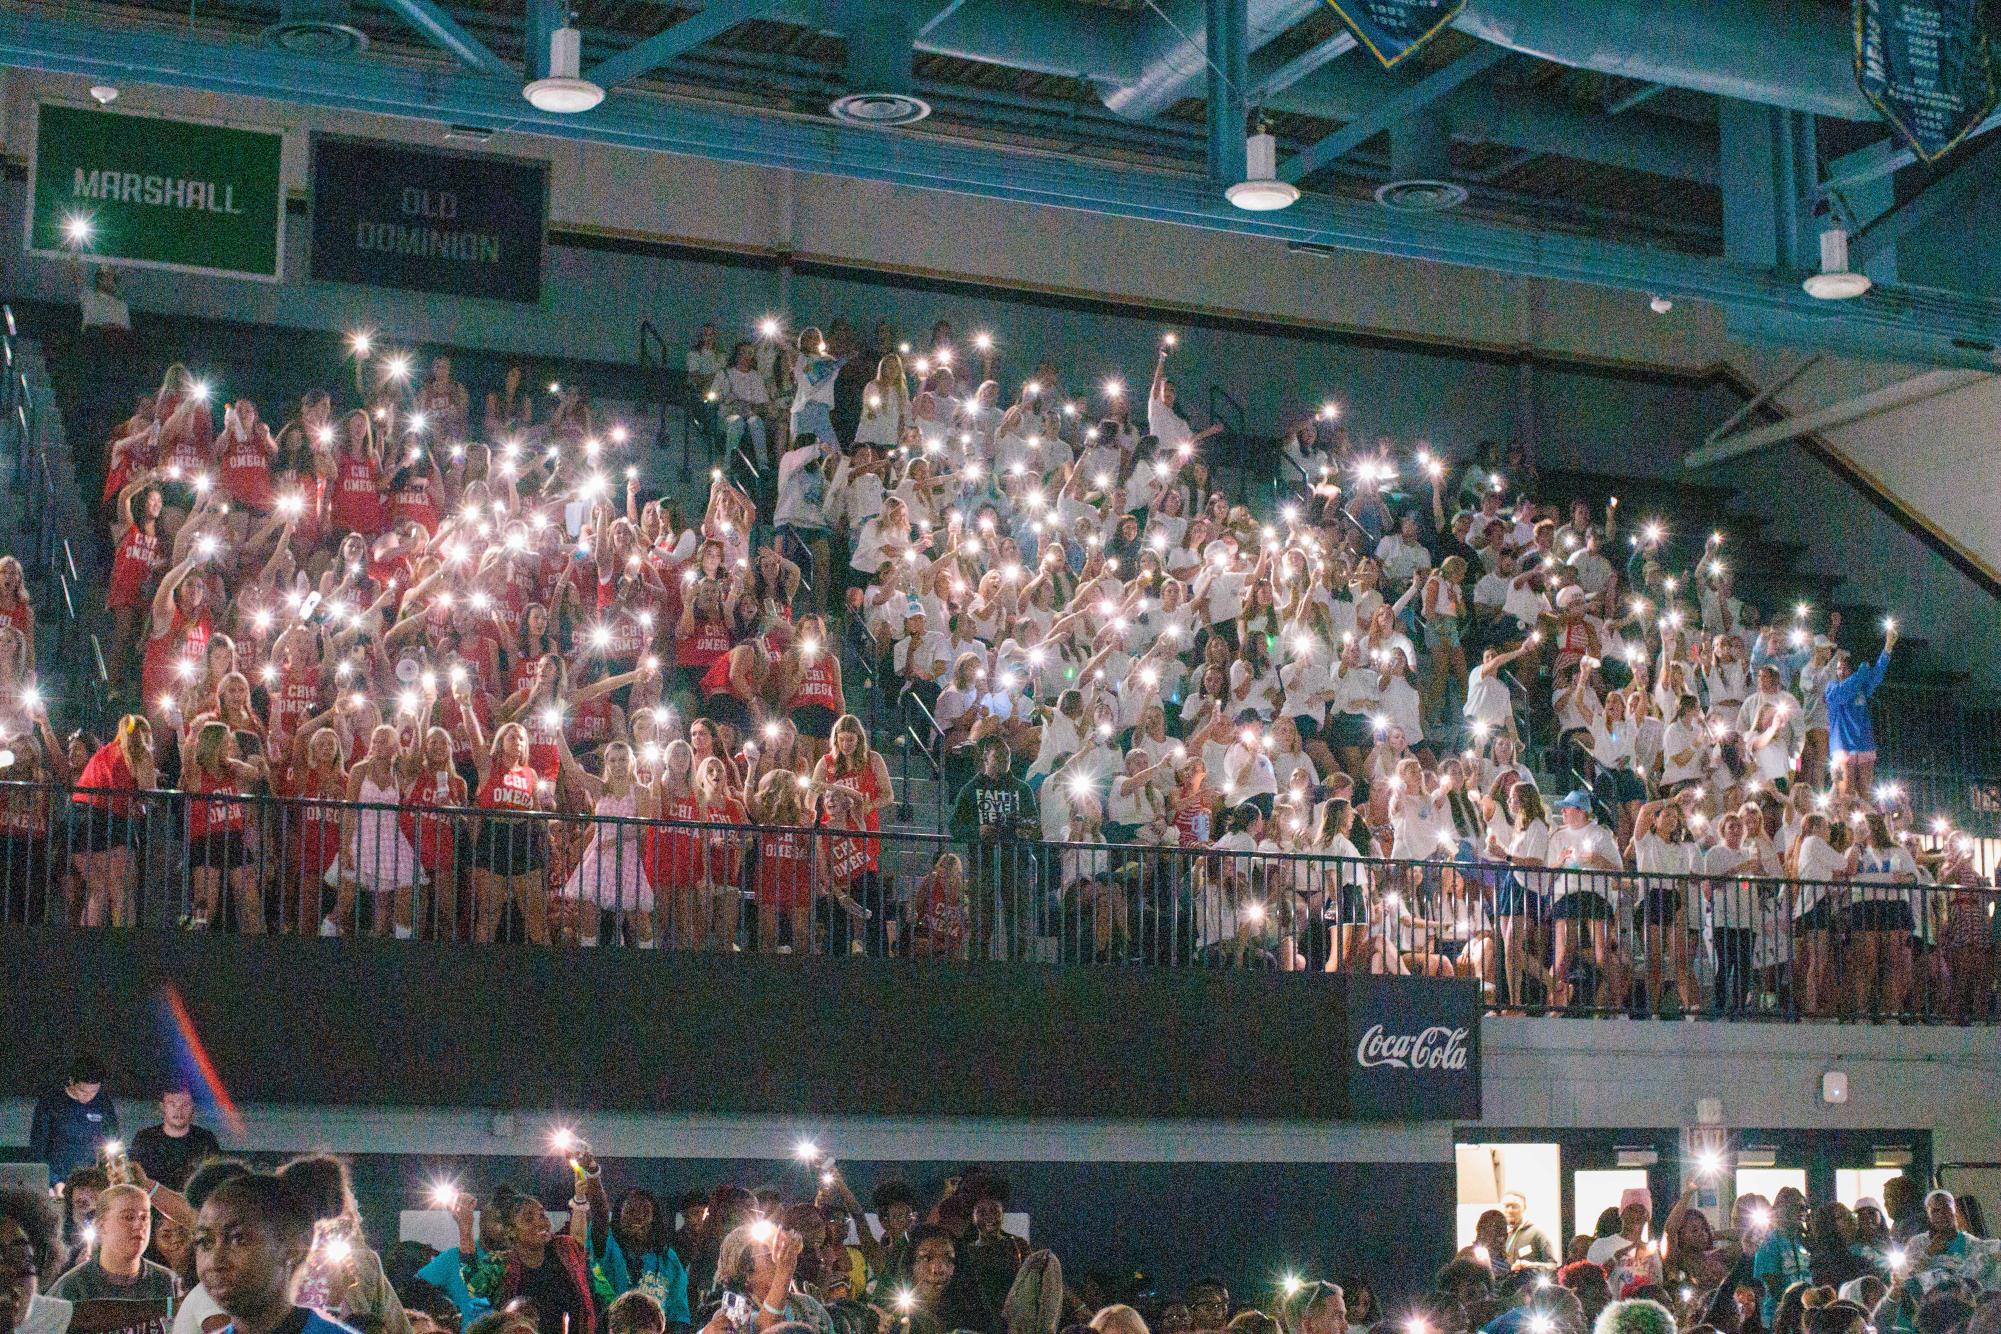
[(211, 744), (133, 732), (777, 799)]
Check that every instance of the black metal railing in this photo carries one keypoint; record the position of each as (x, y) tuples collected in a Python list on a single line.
[(1539, 940)]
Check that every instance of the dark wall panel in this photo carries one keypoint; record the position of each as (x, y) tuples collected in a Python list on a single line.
[(396, 1023)]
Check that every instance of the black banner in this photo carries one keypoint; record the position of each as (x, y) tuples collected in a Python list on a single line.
[(1923, 64), (1413, 1050), (1392, 29), (291, 1019), (393, 216)]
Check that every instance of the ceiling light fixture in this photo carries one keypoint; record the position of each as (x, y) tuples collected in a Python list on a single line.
[(562, 92), (1835, 281), (1261, 191)]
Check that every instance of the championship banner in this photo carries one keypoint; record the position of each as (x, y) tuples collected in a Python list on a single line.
[(466, 224), (1393, 29), (1923, 65), (147, 190)]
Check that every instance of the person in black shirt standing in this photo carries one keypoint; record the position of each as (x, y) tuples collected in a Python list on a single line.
[(173, 1149)]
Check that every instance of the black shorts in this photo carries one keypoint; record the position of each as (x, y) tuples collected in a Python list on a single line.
[(1583, 905), (1512, 898), (814, 720), (1347, 905), (1879, 915), (220, 850), (1658, 908), (723, 707), (510, 847), (1823, 916), (1620, 785), (93, 829), (1350, 729), (1309, 726)]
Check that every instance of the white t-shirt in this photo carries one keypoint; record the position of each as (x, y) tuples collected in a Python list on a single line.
[(1678, 738), (1654, 855), (740, 386), (1487, 698), (198, 1311), (1246, 773), (932, 652), (1167, 426), (1573, 847), (1818, 863), (101, 311)]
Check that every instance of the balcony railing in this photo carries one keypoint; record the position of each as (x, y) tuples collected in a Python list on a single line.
[(1540, 940)]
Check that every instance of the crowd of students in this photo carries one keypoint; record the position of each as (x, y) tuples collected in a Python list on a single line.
[(143, 1240), (415, 607)]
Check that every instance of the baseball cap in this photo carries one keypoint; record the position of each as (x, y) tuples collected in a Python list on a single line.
[(1577, 799)]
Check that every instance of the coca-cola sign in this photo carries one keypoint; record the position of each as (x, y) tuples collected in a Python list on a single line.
[(1433, 1048), (1412, 1049)]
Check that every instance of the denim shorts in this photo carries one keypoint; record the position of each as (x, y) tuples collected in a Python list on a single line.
[(816, 418)]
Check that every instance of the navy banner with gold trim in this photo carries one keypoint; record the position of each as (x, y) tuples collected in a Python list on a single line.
[(1923, 64), (1393, 29)]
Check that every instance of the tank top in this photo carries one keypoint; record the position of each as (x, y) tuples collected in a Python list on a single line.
[(588, 725), (24, 813), (673, 855), (319, 835), (816, 686), (137, 560), (716, 680), (413, 502), (246, 468), (16, 616), (509, 789), (208, 811), (707, 641), (544, 755), (160, 671), (357, 503), (863, 783), (189, 443), (430, 834), (785, 867), (294, 697)]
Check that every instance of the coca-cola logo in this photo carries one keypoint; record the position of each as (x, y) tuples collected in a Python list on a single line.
[(1434, 1048)]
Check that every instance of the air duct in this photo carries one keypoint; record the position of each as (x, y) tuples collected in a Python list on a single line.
[(1797, 54), (1420, 168), (880, 91), (1517, 118), (1172, 66), (316, 28)]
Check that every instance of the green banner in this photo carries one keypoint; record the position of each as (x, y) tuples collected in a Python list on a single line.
[(173, 194)]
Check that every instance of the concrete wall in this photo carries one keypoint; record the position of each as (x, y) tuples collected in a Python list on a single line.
[(615, 193)]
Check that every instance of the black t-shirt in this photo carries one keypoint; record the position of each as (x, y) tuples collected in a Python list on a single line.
[(554, 1295), (171, 1161)]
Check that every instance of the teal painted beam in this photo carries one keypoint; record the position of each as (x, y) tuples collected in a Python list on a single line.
[(1892, 322), (1644, 93), (1917, 212), (1883, 158), (1289, 72), (661, 48), (539, 20), (1227, 70), (1418, 95), (447, 33)]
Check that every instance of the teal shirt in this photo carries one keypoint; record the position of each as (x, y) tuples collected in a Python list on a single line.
[(659, 1273), (1780, 1257)]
